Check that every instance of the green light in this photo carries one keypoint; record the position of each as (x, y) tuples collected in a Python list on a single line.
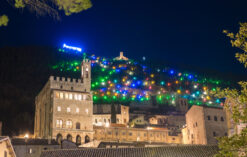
[(105, 97), (103, 69), (94, 97), (114, 97)]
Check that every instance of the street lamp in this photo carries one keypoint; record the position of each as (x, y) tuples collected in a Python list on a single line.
[(26, 138)]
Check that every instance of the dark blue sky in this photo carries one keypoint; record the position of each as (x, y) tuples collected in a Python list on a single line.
[(181, 32)]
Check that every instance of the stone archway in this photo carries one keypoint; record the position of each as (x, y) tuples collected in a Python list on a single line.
[(87, 139), (59, 138), (78, 139), (69, 137)]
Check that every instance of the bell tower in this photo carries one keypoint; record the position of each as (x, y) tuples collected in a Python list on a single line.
[(86, 74)]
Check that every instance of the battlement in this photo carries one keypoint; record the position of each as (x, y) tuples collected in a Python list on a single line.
[(66, 80), (69, 84), (87, 60)]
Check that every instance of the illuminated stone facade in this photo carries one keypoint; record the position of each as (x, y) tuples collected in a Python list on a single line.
[(125, 134), (102, 114), (204, 124), (64, 108)]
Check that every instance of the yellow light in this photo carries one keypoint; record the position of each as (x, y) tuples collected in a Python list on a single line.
[(152, 75), (208, 97), (179, 91), (26, 136)]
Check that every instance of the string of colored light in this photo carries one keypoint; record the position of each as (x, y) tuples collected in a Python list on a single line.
[(127, 81)]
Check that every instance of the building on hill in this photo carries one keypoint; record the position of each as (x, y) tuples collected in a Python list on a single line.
[(121, 57), (204, 124), (165, 151), (6, 148), (102, 114), (64, 108)]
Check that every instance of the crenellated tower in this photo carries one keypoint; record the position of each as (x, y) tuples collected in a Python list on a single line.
[(86, 74)]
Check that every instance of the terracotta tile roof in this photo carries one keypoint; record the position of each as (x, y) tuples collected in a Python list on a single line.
[(168, 151), (21, 141)]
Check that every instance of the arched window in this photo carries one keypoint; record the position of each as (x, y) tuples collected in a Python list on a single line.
[(87, 73), (59, 123), (69, 137), (78, 125), (59, 138), (78, 139), (87, 139), (69, 124)]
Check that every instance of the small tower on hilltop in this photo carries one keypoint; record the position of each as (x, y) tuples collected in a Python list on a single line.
[(86, 74), (121, 57)]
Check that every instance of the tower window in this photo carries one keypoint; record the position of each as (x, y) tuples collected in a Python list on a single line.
[(214, 134), (209, 118), (86, 111), (222, 119), (68, 109), (76, 98), (61, 87), (72, 88), (215, 118), (87, 74), (59, 108)]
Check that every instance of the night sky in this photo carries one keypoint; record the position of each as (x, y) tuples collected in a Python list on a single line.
[(179, 32)]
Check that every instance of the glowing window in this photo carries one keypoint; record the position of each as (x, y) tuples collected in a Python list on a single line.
[(76, 97), (79, 96), (68, 109), (69, 124), (86, 111), (77, 110), (66, 96), (61, 95), (59, 123), (57, 94), (59, 108), (84, 97), (70, 96)]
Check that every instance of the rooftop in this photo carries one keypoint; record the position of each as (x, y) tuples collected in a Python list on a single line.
[(21, 141), (167, 151)]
